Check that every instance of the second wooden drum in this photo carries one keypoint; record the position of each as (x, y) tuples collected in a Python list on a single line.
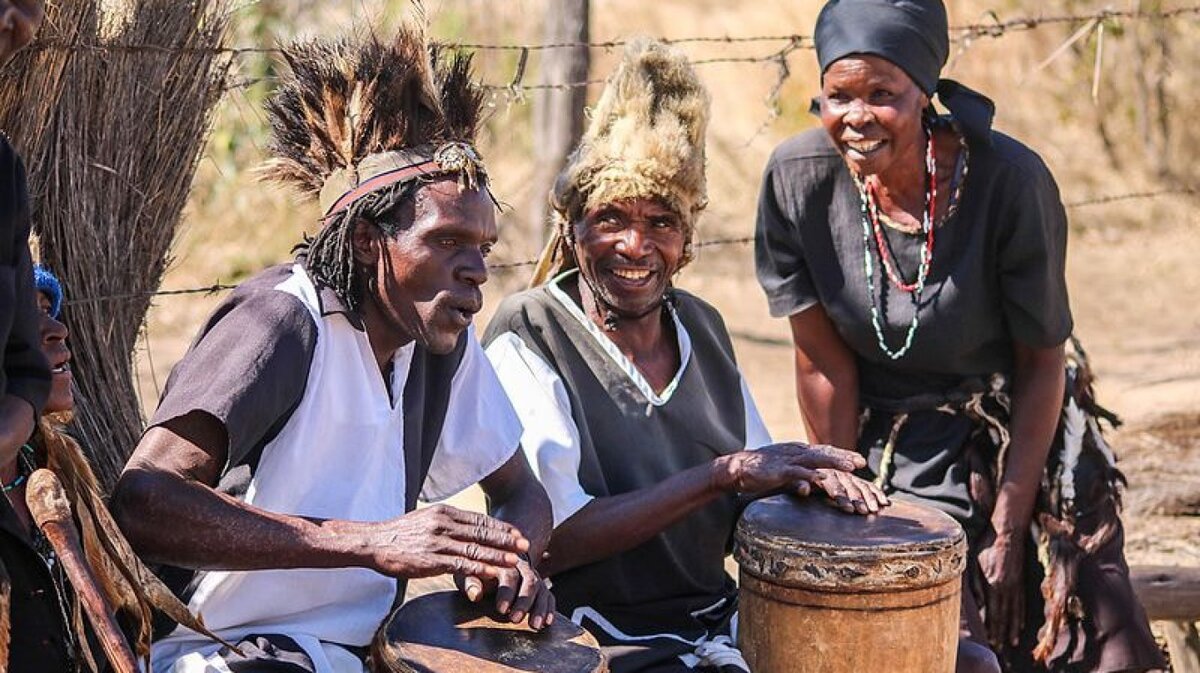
[(445, 633), (823, 591)]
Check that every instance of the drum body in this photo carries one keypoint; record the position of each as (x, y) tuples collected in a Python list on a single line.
[(822, 591), (443, 632)]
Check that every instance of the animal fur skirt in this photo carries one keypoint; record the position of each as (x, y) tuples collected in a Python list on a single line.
[(1081, 612)]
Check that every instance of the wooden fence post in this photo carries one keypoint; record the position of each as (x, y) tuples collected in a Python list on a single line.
[(557, 113)]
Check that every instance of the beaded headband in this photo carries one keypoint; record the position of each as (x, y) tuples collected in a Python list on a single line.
[(376, 171)]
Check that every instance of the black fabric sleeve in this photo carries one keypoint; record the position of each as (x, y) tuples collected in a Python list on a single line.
[(1032, 261), (248, 368), (778, 251), (25, 371)]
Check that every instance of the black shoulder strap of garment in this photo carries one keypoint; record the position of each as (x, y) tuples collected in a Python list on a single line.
[(426, 400)]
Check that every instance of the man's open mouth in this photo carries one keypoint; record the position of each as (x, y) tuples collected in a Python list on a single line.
[(632, 276)]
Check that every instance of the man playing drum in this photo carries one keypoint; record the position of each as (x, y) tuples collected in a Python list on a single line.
[(280, 473), (636, 417)]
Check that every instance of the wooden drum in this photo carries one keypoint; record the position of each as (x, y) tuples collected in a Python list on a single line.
[(830, 592), (443, 632)]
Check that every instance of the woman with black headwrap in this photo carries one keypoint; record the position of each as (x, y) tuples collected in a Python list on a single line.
[(920, 260)]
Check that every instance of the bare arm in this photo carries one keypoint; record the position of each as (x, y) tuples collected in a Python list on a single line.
[(826, 379), (515, 496), (1038, 382), (614, 524), (165, 504)]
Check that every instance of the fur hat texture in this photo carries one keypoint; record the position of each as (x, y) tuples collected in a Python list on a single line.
[(346, 103), (645, 139)]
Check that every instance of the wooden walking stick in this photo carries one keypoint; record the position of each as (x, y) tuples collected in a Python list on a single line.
[(52, 511)]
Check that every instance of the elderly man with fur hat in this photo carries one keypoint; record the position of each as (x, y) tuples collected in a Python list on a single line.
[(280, 473), (637, 420)]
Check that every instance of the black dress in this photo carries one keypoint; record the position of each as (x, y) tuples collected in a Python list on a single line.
[(40, 639)]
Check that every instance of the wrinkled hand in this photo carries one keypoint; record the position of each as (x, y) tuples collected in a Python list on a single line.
[(1002, 561), (519, 591), (440, 540), (851, 494), (789, 465)]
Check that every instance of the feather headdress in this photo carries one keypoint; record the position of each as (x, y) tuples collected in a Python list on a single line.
[(645, 140), (354, 115)]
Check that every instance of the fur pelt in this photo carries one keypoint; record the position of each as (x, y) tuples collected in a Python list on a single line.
[(1067, 534), (1078, 508), (124, 580), (645, 140), (344, 99)]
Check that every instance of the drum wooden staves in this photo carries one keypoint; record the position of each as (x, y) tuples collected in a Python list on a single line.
[(822, 591), (443, 632)]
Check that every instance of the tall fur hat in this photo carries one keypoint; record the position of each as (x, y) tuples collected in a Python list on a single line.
[(645, 140), (355, 115)]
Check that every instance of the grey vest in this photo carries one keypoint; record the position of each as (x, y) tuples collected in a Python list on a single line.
[(628, 444)]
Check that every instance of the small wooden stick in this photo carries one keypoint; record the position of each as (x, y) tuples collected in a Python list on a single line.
[(52, 511)]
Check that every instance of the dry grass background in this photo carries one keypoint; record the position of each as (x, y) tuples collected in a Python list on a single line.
[(1132, 264)]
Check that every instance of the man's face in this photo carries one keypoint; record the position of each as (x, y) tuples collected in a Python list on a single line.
[(630, 250), (19, 22), (427, 276)]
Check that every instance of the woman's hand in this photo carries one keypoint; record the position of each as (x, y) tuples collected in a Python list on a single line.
[(787, 465), (851, 494), (1002, 560)]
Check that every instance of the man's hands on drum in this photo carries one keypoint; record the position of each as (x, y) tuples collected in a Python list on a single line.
[(441, 540), (798, 468), (519, 591)]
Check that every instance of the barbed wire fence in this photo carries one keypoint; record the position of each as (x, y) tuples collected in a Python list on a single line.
[(516, 89), (507, 267)]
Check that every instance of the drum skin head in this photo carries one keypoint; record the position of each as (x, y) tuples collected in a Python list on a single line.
[(443, 632), (805, 543), (814, 523)]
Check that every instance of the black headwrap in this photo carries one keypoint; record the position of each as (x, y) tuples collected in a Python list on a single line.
[(913, 34)]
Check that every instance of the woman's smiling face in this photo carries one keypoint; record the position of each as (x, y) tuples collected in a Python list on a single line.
[(872, 109)]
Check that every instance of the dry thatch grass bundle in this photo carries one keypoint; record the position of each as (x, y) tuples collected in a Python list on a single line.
[(111, 108)]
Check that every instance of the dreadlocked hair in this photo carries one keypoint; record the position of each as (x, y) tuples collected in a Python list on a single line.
[(330, 254), (344, 99)]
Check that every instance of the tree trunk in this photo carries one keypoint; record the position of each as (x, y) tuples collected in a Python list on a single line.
[(557, 113)]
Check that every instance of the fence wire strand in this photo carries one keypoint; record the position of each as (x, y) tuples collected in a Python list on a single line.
[(504, 267), (965, 34), (995, 28)]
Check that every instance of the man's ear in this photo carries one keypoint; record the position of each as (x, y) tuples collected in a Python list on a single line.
[(365, 239)]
